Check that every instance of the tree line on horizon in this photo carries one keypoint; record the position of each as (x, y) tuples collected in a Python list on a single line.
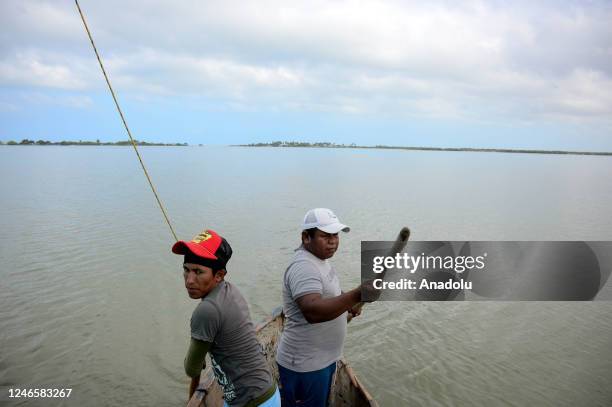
[(300, 144), (28, 142), (424, 148)]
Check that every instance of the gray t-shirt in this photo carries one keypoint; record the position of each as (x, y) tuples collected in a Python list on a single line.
[(306, 347), (222, 318)]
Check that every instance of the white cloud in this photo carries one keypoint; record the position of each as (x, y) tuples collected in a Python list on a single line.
[(40, 98), (31, 70), (472, 61), (180, 74), (585, 92)]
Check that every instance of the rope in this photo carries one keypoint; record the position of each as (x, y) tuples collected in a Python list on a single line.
[(161, 206)]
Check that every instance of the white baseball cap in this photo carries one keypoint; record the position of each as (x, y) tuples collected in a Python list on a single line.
[(323, 219)]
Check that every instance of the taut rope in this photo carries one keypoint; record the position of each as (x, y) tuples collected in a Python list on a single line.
[(161, 206)]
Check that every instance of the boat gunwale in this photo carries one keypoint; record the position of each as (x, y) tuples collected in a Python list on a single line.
[(206, 388)]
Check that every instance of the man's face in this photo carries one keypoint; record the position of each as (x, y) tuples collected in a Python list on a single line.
[(321, 244), (199, 280)]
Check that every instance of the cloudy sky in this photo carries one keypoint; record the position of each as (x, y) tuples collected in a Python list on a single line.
[(482, 74)]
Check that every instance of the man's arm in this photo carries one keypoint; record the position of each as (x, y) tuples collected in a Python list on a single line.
[(195, 362), (193, 386), (316, 309)]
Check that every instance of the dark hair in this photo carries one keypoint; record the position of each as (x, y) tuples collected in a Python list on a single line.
[(311, 232), (215, 265), (215, 271)]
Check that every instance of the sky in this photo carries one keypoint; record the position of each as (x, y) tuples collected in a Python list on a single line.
[(438, 73)]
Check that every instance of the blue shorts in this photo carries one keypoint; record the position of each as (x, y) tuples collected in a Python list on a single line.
[(273, 401), (311, 389)]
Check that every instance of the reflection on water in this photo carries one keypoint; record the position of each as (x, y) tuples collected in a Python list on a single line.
[(92, 298)]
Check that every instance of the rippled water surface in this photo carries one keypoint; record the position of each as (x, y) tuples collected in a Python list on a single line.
[(91, 297)]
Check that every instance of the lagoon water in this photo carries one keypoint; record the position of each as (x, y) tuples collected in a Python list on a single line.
[(92, 299)]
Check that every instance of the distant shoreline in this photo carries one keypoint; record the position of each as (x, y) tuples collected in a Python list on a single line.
[(293, 144), (27, 142), (455, 149)]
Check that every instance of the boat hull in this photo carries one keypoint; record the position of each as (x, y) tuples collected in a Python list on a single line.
[(346, 388)]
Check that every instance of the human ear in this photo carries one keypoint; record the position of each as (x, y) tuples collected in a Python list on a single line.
[(219, 275)]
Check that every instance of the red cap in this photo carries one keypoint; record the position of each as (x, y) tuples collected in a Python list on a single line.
[(204, 245)]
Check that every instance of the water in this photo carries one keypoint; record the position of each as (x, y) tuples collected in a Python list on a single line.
[(91, 297)]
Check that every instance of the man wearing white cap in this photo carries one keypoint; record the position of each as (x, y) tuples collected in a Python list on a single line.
[(315, 314)]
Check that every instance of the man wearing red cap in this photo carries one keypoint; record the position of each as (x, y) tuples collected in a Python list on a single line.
[(221, 325), (315, 314)]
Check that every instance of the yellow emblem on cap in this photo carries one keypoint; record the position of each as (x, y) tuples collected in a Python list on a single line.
[(202, 237)]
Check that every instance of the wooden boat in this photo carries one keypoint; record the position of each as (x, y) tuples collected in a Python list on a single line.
[(346, 389)]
